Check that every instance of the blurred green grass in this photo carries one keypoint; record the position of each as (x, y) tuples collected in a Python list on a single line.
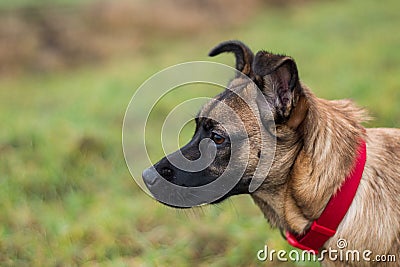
[(66, 196), (5, 5)]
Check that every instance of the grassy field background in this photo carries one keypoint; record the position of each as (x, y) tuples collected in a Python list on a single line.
[(66, 196)]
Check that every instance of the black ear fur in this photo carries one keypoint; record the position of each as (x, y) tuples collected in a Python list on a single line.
[(244, 56), (282, 72), (266, 63)]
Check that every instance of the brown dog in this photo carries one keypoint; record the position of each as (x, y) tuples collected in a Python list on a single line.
[(316, 149)]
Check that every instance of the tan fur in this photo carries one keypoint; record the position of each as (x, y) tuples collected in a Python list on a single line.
[(317, 142), (299, 113), (316, 165), (316, 152)]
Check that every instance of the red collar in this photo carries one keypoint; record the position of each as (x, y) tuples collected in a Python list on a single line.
[(325, 226)]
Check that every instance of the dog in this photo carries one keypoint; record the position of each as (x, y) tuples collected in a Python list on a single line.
[(318, 145)]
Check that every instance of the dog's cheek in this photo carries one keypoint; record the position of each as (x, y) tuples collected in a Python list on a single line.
[(218, 167), (251, 167), (254, 156)]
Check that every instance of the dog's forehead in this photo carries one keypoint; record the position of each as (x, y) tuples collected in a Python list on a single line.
[(239, 92), (232, 108)]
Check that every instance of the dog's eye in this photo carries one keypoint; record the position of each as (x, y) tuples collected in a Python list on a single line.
[(217, 138)]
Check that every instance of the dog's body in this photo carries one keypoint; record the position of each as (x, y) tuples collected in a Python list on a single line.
[(316, 149), (319, 163)]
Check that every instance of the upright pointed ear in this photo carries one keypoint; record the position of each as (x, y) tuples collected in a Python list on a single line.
[(278, 79), (244, 56)]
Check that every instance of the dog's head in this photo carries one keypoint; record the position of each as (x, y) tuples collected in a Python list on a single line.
[(260, 109)]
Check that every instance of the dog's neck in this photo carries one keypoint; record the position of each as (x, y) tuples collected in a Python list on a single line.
[(320, 158)]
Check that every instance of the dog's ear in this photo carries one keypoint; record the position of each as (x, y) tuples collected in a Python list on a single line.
[(244, 56), (278, 79)]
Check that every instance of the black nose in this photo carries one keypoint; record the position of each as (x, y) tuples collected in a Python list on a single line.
[(150, 176), (153, 173)]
